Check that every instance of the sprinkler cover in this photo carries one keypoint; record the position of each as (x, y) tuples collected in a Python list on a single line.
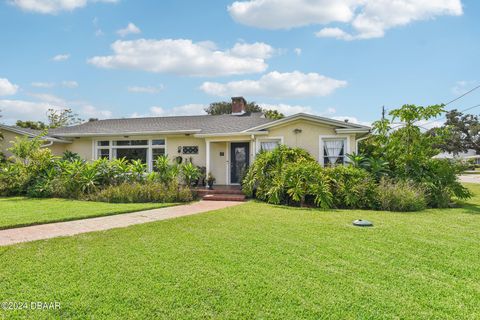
[(362, 223)]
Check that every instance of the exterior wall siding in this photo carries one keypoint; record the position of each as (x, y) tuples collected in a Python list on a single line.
[(309, 137), (174, 142), (9, 137)]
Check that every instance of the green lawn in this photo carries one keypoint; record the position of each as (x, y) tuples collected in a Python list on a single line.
[(17, 212), (258, 261)]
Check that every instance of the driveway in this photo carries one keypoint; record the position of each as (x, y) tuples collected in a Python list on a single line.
[(70, 228)]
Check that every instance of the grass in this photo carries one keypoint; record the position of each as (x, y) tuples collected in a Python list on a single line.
[(258, 261), (18, 211)]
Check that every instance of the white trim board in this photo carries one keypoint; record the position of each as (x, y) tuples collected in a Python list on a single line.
[(338, 136)]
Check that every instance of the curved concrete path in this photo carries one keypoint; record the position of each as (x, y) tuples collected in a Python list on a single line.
[(70, 228)]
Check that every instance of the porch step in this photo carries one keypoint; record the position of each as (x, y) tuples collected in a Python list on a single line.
[(203, 192), (224, 197)]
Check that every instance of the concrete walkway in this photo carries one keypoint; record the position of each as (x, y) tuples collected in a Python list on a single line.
[(70, 228)]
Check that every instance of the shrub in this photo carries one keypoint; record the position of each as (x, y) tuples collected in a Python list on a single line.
[(440, 181), (166, 172), (400, 196), (305, 179), (143, 192), (352, 187), (288, 176), (263, 178), (190, 173)]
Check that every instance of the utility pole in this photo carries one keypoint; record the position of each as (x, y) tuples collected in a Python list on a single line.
[(383, 112)]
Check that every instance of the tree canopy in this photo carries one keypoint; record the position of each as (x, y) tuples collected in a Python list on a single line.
[(462, 132), (225, 107)]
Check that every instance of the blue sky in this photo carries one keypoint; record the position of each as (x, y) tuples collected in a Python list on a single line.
[(332, 58)]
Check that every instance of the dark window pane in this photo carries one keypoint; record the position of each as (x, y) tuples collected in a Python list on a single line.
[(103, 154), (103, 143), (157, 152), (190, 150), (131, 142), (132, 154), (158, 142)]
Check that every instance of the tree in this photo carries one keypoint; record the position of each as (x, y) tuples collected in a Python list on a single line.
[(406, 148), (62, 118), (36, 125), (273, 114), (224, 107), (462, 132)]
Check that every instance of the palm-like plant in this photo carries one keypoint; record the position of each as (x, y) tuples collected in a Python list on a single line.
[(377, 167), (190, 173), (138, 169), (356, 160)]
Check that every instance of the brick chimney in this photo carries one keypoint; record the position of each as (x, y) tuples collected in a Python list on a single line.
[(239, 105)]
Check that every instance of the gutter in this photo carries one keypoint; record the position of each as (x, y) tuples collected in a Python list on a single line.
[(223, 134), (358, 140), (134, 133)]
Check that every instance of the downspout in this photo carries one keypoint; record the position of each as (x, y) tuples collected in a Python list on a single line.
[(358, 140), (47, 145)]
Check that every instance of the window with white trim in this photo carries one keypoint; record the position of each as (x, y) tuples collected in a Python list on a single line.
[(334, 151), (269, 144), (146, 150)]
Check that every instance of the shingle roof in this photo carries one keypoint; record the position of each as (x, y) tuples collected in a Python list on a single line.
[(205, 124)]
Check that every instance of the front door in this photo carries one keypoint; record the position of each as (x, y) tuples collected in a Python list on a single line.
[(240, 156)]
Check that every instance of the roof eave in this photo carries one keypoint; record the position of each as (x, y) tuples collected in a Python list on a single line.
[(352, 130), (129, 133), (299, 116), (226, 134)]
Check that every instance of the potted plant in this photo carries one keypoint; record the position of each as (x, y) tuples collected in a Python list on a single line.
[(210, 180)]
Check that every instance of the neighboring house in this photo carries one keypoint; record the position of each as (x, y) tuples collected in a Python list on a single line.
[(224, 144), (470, 154)]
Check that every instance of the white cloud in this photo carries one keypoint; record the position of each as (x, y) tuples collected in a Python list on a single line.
[(61, 57), (288, 109), (184, 57), (148, 89), (13, 110), (286, 14), (93, 112), (462, 87), (429, 124), (276, 84), (53, 6), (336, 33), (70, 84), (298, 51), (50, 99), (129, 29), (43, 84), (258, 50), (367, 19), (184, 110), (7, 88), (352, 120), (67, 84)]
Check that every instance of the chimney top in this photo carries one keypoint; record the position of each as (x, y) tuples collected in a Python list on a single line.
[(239, 105)]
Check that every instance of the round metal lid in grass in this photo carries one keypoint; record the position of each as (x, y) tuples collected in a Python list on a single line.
[(362, 223)]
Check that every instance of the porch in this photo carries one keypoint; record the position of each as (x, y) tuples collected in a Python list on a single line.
[(221, 193), (227, 159)]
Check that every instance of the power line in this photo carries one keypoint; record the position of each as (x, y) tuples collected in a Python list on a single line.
[(463, 95), (470, 108), (457, 98)]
